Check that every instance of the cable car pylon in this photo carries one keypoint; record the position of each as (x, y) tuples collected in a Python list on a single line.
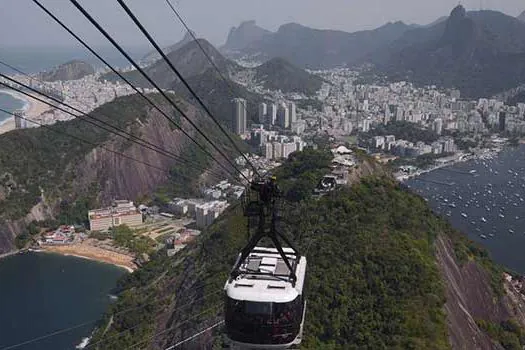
[(265, 305)]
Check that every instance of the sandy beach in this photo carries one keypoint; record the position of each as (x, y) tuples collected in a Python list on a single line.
[(88, 251), (32, 107)]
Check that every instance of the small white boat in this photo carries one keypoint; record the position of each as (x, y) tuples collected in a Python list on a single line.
[(483, 236), (464, 215), (483, 219)]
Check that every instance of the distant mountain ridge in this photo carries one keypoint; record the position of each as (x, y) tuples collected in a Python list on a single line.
[(189, 60), (521, 17), (481, 52), (153, 55), (242, 36), (319, 48), (71, 70)]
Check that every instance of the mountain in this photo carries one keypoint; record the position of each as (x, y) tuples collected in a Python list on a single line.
[(521, 17), (437, 21), (317, 48), (217, 95), (153, 56), (383, 272), (189, 61), (481, 53), (242, 36), (279, 74), (71, 70), (45, 173)]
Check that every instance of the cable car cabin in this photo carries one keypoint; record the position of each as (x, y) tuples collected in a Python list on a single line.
[(265, 308)]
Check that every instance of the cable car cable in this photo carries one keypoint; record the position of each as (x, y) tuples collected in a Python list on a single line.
[(195, 335), (132, 61), (90, 115), (175, 327), (76, 116), (81, 41), (214, 65), (65, 330), (166, 59), (161, 151), (89, 142)]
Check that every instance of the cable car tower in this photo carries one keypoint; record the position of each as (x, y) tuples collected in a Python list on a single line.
[(265, 303)]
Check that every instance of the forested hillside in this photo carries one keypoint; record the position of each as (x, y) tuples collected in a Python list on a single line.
[(373, 278), (45, 172)]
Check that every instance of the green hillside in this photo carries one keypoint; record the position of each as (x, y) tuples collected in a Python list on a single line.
[(279, 74), (373, 281), (47, 165)]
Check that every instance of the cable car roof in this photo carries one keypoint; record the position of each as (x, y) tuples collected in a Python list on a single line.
[(266, 278)]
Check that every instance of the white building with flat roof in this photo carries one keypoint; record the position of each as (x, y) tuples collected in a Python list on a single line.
[(122, 212)]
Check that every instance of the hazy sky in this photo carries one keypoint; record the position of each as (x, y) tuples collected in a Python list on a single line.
[(22, 23)]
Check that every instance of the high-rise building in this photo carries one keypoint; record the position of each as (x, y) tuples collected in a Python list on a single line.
[(277, 150), (272, 113), (502, 117), (292, 112), (283, 116), (263, 111), (268, 151), (366, 125), (288, 148), (437, 126), (20, 123), (239, 116)]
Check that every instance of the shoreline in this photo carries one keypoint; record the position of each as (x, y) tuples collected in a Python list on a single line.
[(461, 159), (127, 268), (8, 254), (93, 253), (32, 108)]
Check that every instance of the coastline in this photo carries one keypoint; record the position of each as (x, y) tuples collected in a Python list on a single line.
[(462, 158), (89, 252), (5, 255), (33, 109)]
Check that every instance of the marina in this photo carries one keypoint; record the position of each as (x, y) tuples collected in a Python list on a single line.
[(484, 198)]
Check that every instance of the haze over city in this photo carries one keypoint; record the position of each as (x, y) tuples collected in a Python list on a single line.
[(27, 25)]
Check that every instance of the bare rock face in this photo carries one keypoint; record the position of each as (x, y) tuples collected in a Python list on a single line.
[(71, 70), (94, 171), (470, 298)]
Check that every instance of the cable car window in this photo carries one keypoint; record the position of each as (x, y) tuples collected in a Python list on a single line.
[(256, 308)]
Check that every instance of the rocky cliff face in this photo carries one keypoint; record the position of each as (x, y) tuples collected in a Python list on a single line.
[(71, 70), (53, 174), (242, 36), (471, 298)]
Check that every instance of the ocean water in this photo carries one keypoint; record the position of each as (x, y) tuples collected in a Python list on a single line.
[(9, 103), (485, 199), (41, 293), (34, 59)]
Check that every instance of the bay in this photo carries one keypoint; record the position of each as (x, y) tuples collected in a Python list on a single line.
[(9, 103), (38, 59), (41, 293), (484, 199)]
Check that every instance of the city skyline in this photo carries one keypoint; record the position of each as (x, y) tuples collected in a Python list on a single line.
[(29, 26)]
